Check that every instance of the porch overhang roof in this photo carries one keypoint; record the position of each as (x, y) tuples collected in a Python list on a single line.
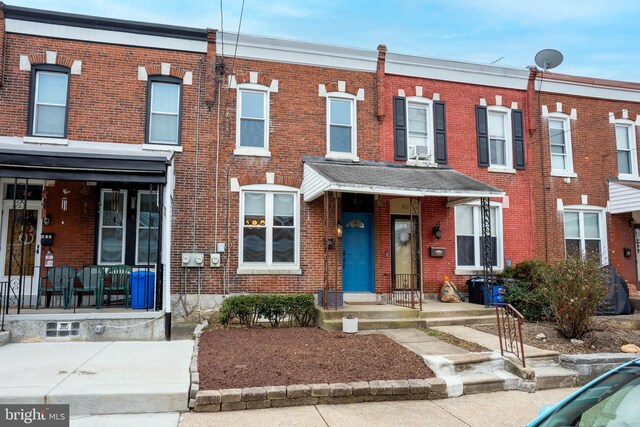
[(390, 179), (624, 196), (82, 164)]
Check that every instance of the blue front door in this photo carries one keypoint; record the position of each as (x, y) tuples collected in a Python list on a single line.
[(357, 252)]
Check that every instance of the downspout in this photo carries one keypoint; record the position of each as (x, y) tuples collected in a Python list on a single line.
[(531, 90), (3, 43)]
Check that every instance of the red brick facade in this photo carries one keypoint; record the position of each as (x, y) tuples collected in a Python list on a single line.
[(108, 104)]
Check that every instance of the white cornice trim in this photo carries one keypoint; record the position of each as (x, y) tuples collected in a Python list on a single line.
[(103, 36), (297, 52), (456, 71), (588, 90)]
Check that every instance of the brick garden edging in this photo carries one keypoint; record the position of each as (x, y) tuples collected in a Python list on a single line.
[(194, 388), (235, 399)]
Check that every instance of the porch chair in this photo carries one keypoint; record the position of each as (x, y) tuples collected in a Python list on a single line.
[(59, 280), (92, 279), (120, 276)]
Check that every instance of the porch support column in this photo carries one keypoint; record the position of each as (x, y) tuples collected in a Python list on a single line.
[(487, 250), (160, 261), (325, 303)]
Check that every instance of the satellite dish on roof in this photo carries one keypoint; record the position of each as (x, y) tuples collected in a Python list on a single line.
[(548, 59)]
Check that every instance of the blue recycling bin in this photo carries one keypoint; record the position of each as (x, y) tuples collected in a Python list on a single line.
[(142, 289)]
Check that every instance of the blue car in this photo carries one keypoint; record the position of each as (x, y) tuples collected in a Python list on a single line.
[(613, 399)]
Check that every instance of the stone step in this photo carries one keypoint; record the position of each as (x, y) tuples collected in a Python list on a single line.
[(476, 363), (487, 383), (635, 301), (548, 377), (480, 311), (387, 313), (372, 324), (465, 320), (5, 338)]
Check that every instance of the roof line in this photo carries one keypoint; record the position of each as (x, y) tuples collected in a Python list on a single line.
[(101, 23)]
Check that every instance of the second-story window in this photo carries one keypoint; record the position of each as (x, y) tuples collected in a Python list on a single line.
[(420, 138), (252, 119), (626, 146), (341, 135), (499, 145), (49, 101), (164, 105), (560, 144)]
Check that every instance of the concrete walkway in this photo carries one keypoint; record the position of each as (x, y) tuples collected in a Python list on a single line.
[(510, 408), (422, 343), (489, 341), (98, 377)]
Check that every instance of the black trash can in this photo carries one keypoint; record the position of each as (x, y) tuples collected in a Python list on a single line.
[(476, 290)]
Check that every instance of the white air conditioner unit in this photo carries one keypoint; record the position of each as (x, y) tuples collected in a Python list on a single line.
[(422, 152)]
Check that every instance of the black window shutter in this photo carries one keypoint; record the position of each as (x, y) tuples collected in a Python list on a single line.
[(440, 132), (518, 139), (400, 127), (483, 136)]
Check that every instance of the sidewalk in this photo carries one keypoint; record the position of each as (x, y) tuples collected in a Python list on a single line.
[(502, 408), (98, 377)]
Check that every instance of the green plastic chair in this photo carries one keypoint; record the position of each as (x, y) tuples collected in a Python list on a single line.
[(120, 282), (92, 279), (59, 280)]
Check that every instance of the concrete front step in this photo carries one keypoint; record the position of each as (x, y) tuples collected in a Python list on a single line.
[(465, 320), (480, 311), (476, 363), (387, 313), (548, 377), (487, 383), (372, 324), (5, 338), (635, 301)]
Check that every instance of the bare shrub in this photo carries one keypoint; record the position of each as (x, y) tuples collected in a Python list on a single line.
[(576, 287)]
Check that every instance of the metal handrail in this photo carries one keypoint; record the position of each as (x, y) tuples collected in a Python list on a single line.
[(404, 290), (4, 290), (510, 331)]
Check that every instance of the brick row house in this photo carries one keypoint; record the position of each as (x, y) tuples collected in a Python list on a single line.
[(231, 164)]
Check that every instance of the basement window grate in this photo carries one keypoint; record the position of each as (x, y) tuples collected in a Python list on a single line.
[(63, 329)]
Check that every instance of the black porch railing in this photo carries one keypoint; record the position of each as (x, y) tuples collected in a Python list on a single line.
[(90, 286), (510, 331), (404, 290)]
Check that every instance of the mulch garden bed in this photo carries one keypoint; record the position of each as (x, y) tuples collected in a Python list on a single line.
[(257, 357)]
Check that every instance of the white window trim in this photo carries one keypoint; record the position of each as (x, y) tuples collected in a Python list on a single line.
[(252, 151), (602, 223), (36, 103), (123, 194), (631, 131), (430, 129), (569, 171), (176, 115), (508, 143), (354, 127), (269, 267), (138, 211), (477, 225)]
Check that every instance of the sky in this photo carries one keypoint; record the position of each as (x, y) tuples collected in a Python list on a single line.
[(597, 38)]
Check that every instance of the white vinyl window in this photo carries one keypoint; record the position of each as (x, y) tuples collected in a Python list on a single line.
[(269, 227), (50, 104), (113, 224), (500, 149), (341, 126), (469, 246), (147, 221), (420, 129), (164, 114), (585, 233), (560, 142), (252, 120), (626, 147)]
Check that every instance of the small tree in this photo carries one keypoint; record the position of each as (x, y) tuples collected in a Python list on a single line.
[(575, 287)]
